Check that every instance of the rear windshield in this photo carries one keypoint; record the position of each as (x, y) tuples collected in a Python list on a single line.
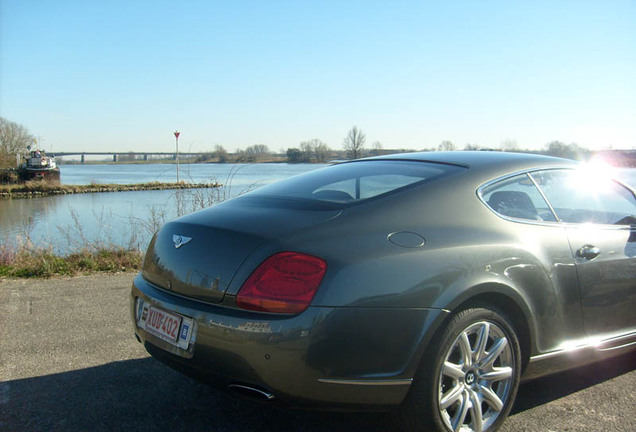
[(353, 182)]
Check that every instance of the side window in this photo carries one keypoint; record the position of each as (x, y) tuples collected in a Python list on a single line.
[(517, 197), (379, 184), (363, 187), (581, 197), (342, 191)]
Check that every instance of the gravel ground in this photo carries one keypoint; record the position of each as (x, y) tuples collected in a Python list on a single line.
[(69, 362)]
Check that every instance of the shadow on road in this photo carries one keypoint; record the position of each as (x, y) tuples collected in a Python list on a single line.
[(553, 387), (145, 395)]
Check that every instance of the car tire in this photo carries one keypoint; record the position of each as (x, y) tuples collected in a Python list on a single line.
[(469, 376)]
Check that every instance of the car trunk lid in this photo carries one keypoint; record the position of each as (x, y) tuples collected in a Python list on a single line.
[(197, 256)]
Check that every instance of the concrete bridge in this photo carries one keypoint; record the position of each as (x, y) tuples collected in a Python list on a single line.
[(116, 155)]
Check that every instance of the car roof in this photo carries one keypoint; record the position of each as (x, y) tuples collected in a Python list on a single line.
[(493, 162), (479, 158)]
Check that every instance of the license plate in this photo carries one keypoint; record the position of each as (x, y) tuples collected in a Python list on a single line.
[(168, 326)]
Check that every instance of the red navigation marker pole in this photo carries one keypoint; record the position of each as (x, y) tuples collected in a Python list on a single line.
[(176, 137)]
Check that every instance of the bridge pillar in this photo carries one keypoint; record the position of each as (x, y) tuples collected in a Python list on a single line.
[(115, 158), (83, 159), (146, 157)]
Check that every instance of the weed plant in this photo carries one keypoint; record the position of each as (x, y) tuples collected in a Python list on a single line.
[(22, 259), (44, 263)]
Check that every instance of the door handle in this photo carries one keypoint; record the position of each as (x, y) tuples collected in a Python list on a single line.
[(588, 252)]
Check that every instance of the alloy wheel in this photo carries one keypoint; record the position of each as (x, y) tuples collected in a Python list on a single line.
[(476, 378)]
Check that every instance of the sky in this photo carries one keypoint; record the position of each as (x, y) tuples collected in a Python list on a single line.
[(124, 75)]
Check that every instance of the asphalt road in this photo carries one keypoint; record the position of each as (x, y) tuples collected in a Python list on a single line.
[(69, 361)]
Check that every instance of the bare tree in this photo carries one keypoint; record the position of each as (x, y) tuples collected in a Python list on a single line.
[(509, 145), (322, 152), (253, 153), (307, 150), (446, 146), (220, 153), (376, 148), (294, 155), (14, 139), (315, 150), (569, 151), (354, 142)]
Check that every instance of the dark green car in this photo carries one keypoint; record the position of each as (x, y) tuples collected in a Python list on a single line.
[(429, 284)]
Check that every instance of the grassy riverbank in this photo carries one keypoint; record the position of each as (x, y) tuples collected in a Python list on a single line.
[(22, 256), (27, 263), (38, 188)]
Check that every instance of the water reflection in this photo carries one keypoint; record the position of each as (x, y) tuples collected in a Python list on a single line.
[(70, 222), (128, 219), (19, 216)]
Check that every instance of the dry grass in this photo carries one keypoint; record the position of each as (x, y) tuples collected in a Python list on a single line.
[(44, 263)]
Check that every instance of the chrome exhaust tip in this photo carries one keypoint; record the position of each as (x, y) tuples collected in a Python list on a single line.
[(251, 392)]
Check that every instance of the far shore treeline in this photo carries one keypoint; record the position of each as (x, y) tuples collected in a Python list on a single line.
[(15, 139)]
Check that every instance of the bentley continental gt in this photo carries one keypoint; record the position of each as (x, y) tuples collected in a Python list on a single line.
[(426, 284)]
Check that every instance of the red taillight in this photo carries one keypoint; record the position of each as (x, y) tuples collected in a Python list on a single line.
[(283, 283)]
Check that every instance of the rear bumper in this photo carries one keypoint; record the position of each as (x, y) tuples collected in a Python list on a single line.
[(340, 357)]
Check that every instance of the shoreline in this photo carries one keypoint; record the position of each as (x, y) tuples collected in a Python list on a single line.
[(36, 189)]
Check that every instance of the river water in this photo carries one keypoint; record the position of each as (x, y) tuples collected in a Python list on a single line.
[(128, 219)]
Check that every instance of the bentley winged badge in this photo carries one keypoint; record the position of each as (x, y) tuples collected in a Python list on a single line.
[(180, 240)]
